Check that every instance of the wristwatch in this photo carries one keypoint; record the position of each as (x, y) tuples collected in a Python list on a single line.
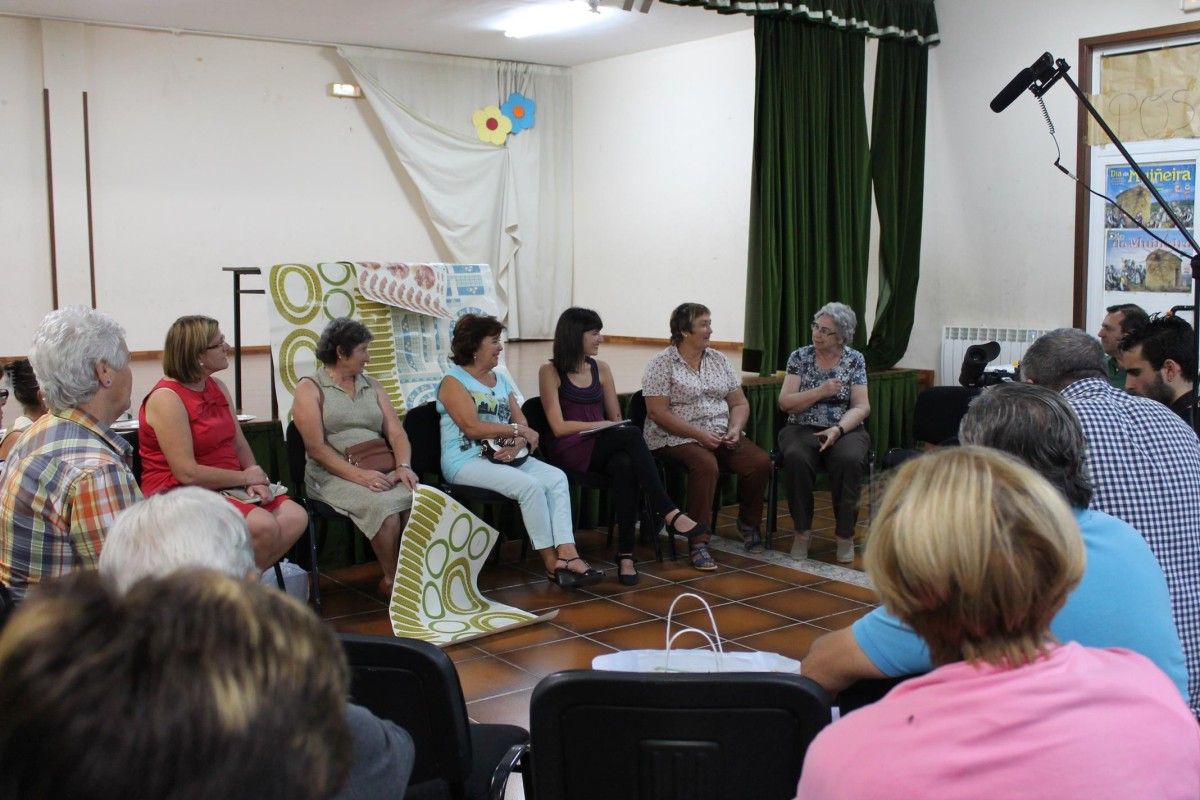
[(404, 466), (841, 430), (516, 430)]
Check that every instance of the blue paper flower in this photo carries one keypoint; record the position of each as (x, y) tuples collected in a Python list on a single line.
[(520, 109)]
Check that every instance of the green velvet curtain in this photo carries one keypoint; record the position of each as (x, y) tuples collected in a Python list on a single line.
[(810, 193), (898, 172), (909, 20)]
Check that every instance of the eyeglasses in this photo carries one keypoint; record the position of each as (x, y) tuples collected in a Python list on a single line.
[(221, 344), (823, 330), (3, 396)]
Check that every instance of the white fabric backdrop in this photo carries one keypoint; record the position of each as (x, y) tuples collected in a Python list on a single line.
[(507, 206)]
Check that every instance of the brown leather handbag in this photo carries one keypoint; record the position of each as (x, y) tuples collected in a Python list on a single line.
[(374, 454)]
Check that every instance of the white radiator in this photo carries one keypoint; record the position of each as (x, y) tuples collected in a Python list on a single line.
[(957, 338)]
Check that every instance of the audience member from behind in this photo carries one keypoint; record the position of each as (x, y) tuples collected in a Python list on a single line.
[(189, 436), (24, 386), (192, 528), (580, 401), (1119, 321), (191, 686), (1144, 463), (67, 479), (825, 397), (696, 413), (477, 402), (339, 407), (1008, 712), (1122, 600), (1159, 360)]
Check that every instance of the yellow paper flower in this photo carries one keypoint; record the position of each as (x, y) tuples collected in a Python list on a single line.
[(490, 125)]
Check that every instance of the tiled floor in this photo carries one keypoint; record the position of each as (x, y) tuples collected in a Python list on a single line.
[(758, 605)]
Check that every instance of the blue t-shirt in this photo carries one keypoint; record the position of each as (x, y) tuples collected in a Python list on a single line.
[(491, 404), (1122, 601)]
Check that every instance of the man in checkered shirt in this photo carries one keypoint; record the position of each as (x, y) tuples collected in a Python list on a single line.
[(1144, 463)]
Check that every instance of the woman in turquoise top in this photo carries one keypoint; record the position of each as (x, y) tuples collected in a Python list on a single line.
[(477, 403)]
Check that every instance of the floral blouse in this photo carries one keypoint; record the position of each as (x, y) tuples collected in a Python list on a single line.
[(696, 397), (851, 370)]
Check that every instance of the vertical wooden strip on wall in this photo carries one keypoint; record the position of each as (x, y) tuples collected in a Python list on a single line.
[(50, 199), (87, 177)]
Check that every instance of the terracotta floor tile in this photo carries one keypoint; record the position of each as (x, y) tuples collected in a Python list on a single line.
[(734, 620), (680, 569), (528, 636), (805, 604), (345, 602), (374, 623), (610, 586), (835, 621), (466, 651), (503, 576), (792, 641), (788, 575), (849, 590), (737, 585), (658, 600), (597, 615), (649, 635), (489, 676), (557, 656), (737, 560), (507, 709), (536, 596), (363, 576)]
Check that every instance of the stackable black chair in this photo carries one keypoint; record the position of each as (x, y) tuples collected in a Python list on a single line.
[(662, 736), (423, 426), (415, 685), (637, 415), (778, 467), (319, 513), (938, 411)]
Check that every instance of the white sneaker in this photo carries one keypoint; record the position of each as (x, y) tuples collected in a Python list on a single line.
[(845, 550), (800, 545)]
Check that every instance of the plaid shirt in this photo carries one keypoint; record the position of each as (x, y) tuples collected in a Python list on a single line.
[(1145, 468), (62, 486)]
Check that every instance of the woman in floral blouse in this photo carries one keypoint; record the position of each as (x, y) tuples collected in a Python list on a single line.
[(695, 414), (825, 395)]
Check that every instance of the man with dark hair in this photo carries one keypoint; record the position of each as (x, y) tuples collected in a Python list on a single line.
[(1122, 600), (1159, 360), (1121, 320), (1144, 464)]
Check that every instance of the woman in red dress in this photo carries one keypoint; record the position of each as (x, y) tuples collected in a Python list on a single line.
[(188, 436)]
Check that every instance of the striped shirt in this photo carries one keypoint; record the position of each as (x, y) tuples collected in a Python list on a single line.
[(1145, 468), (62, 486)]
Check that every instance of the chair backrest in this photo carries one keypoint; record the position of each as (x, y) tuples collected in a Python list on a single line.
[(7, 605), (637, 409), (415, 685), (423, 426), (535, 415), (297, 458), (639, 736)]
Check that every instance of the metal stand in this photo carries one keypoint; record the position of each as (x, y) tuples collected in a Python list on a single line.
[(1040, 86), (238, 291)]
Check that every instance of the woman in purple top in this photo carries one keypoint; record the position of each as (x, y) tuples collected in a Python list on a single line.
[(581, 406)]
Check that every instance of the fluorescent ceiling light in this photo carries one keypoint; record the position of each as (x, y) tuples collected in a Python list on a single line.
[(555, 17)]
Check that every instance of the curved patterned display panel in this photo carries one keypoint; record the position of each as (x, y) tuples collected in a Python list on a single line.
[(436, 596)]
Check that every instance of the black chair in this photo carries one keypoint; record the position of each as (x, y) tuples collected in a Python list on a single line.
[(7, 605), (423, 426), (317, 510), (535, 415), (643, 736), (415, 685), (938, 411), (864, 692), (778, 467), (637, 416)]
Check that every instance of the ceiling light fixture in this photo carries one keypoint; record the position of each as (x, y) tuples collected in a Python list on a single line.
[(557, 17)]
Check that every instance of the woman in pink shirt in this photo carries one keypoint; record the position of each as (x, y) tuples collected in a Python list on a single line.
[(976, 553)]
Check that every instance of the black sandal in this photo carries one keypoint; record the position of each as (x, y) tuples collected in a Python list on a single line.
[(569, 579), (699, 530), (627, 580)]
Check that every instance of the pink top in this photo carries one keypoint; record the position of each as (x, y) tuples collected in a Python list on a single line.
[(212, 427), (1104, 724)]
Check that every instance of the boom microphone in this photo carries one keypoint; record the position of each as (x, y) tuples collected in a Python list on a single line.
[(1021, 82)]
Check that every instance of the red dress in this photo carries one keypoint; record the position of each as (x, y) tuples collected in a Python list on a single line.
[(213, 432)]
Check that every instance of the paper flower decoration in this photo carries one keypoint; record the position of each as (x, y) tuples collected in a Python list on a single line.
[(490, 125), (521, 110)]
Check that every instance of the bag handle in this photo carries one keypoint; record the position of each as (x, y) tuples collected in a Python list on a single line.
[(718, 649), (714, 646)]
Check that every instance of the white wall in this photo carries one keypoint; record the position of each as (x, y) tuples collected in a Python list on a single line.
[(662, 184), (206, 153), (997, 245)]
